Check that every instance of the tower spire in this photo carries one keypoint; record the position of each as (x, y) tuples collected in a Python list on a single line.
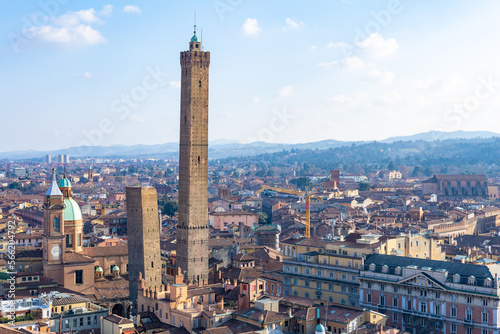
[(194, 26)]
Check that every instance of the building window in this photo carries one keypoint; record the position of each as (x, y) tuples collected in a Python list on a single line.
[(369, 285), (95, 319), (382, 300), (468, 330), (408, 305), (66, 323), (468, 315), (306, 283), (369, 297), (331, 274), (318, 272), (88, 321), (78, 276), (295, 293), (453, 328), (382, 286), (409, 291), (423, 307), (330, 299), (484, 316), (74, 322), (306, 295), (79, 239), (81, 322), (485, 302), (330, 287), (437, 309), (469, 300), (56, 224), (454, 311), (395, 318), (69, 240), (395, 301), (343, 289), (453, 298), (438, 295), (437, 325)]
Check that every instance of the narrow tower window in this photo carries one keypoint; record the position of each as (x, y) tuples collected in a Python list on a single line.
[(57, 226), (198, 159), (199, 83)]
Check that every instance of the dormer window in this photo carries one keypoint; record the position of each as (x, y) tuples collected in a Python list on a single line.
[(471, 280), (487, 282), (456, 278), (372, 267)]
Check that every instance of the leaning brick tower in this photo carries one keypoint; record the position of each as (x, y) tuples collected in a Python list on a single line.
[(192, 230)]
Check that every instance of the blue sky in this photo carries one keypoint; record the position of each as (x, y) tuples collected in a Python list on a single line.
[(104, 73)]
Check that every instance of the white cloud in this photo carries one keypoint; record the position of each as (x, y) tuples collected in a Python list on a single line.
[(72, 29), (291, 24), (286, 91), (381, 76), (329, 65), (342, 99), (256, 99), (352, 63), (106, 10), (375, 45), (136, 118), (76, 36), (313, 48), (355, 100), (251, 27), (175, 84), (336, 45), (449, 82), (75, 18), (86, 75), (132, 9), (391, 98)]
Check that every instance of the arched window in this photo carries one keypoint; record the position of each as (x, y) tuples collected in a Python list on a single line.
[(56, 225)]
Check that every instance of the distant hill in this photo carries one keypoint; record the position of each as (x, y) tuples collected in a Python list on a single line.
[(223, 148), (441, 135)]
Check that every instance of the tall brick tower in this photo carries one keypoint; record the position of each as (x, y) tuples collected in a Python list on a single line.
[(143, 239), (192, 230)]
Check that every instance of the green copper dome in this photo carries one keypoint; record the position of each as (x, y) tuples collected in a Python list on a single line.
[(64, 183), (194, 38), (99, 270), (115, 268), (320, 328), (72, 210)]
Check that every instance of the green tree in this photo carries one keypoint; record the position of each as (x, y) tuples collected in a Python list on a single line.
[(302, 182), (417, 171), (263, 218), (363, 186), (16, 185), (391, 166), (168, 207)]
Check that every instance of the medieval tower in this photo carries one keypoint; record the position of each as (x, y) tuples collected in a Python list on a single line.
[(192, 229), (143, 239)]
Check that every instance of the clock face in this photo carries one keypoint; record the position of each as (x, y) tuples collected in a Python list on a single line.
[(56, 252)]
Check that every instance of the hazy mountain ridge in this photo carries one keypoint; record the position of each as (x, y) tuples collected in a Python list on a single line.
[(222, 148)]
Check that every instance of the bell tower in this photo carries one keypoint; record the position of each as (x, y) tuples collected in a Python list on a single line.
[(53, 231), (192, 230)]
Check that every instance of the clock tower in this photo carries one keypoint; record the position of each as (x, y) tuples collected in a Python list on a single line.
[(53, 231)]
